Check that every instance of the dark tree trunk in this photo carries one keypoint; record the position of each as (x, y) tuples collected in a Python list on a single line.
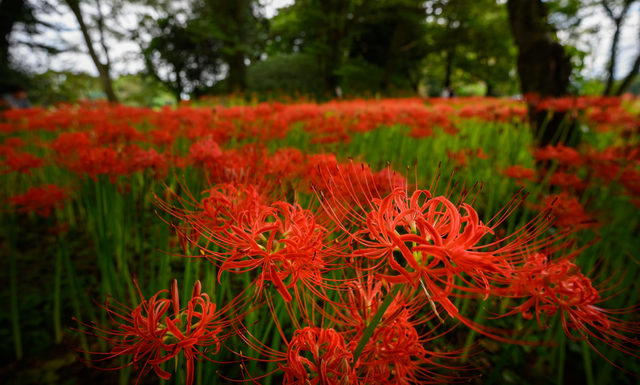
[(543, 66), (11, 11), (392, 53), (632, 74), (335, 27), (237, 73), (629, 78), (448, 69), (235, 14), (617, 21), (103, 68), (489, 90)]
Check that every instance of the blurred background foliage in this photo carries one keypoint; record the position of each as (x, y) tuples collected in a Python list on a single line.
[(319, 48)]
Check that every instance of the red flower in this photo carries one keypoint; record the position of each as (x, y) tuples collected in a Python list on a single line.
[(568, 211), (566, 180), (330, 362), (21, 162), (557, 286), (150, 337), (520, 173), (40, 200), (205, 152), (282, 240), (566, 156)]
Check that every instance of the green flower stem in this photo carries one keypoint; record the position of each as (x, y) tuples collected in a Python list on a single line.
[(368, 332), (57, 325), (586, 354), (15, 316)]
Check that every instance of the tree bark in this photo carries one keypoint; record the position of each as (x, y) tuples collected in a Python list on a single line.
[(543, 66), (237, 79), (630, 77), (489, 91), (10, 12), (237, 73), (335, 27), (103, 68), (632, 74), (392, 53), (448, 68), (617, 21)]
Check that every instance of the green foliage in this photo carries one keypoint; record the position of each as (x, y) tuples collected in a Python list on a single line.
[(142, 91), (285, 72), (372, 46), (192, 51), (185, 53), (472, 37), (63, 86)]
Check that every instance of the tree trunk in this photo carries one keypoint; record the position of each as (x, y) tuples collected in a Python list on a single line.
[(543, 66), (335, 26), (237, 79), (448, 69), (235, 12), (103, 69), (617, 21), (105, 79), (629, 78), (392, 53), (333, 61), (11, 11), (632, 74), (489, 89)]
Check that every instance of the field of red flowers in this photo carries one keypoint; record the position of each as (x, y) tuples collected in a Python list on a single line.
[(394, 241)]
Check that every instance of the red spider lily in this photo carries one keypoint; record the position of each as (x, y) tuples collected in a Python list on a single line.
[(206, 152), (10, 145), (566, 156), (70, 142), (438, 241), (138, 159), (458, 157), (354, 185), (21, 162), (462, 156), (396, 352), (568, 211), (151, 337), (283, 240), (550, 287), (566, 181), (329, 363), (314, 355), (520, 173), (287, 247), (99, 161), (41, 200)]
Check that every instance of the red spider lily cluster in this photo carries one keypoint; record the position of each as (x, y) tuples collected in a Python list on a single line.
[(40, 200), (158, 330), (368, 266), (335, 263)]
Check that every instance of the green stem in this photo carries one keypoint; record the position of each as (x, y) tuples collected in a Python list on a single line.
[(368, 332), (561, 347), (57, 326), (15, 317), (588, 370), (71, 274)]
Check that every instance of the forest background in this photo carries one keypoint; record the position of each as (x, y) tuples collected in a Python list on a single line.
[(157, 52)]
